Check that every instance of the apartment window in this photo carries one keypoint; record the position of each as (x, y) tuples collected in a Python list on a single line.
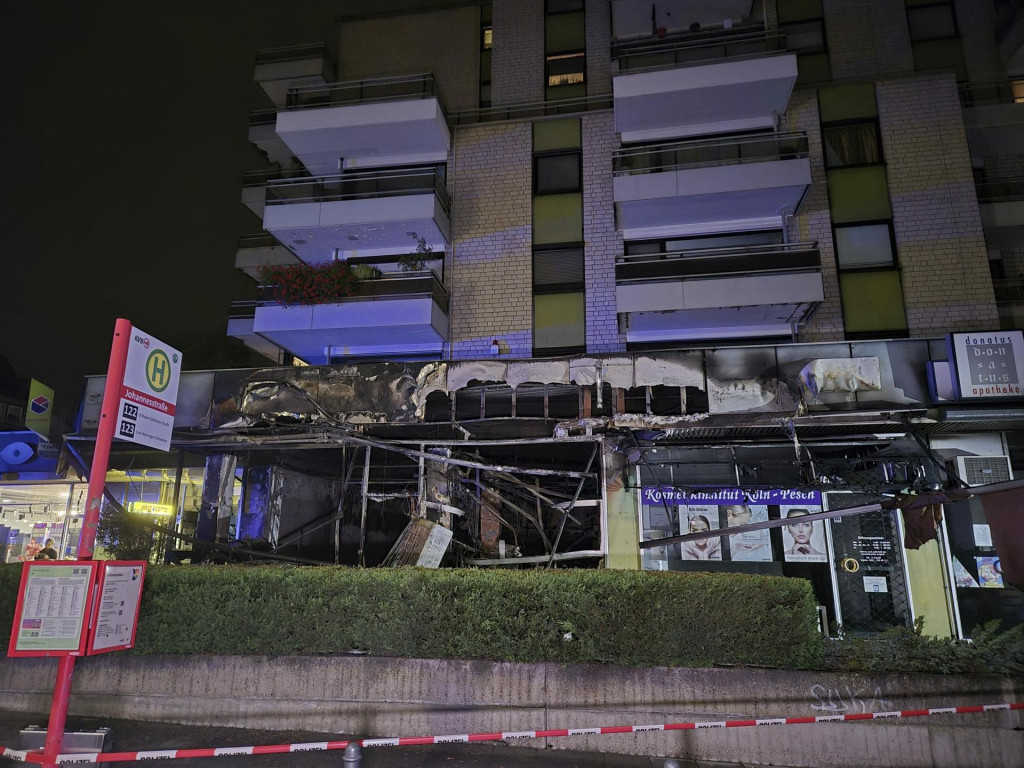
[(735, 240), (932, 22), (935, 37), (565, 43), (486, 44), (870, 287), (559, 305), (803, 23), (556, 173), (852, 144), (865, 245)]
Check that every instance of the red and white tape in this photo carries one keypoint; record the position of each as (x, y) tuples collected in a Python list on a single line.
[(35, 756)]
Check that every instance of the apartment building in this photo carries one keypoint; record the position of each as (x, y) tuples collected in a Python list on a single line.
[(547, 282)]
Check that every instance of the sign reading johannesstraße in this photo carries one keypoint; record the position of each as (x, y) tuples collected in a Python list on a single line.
[(145, 413)]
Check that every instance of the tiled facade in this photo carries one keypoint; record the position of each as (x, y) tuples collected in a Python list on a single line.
[(489, 279), (518, 58), (941, 244)]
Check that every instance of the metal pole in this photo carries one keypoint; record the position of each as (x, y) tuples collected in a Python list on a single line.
[(362, 520), (87, 540)]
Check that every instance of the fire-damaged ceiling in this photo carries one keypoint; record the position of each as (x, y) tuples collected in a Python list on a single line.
[(515, 461)]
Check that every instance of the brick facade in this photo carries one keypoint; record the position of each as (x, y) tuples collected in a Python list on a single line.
[(812, 222), (517, 59), (867, 38), (602, 240), (939, 237), (491, 265), (599, 47), (410, 41)]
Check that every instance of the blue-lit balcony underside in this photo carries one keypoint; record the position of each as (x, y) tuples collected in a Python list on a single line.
[(725, 185), (391, 316), (365, 213), (722, 293), (705, 98), (366, 123)]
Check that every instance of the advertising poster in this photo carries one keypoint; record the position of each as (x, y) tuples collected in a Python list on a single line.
[(990, 574), (750, 546), (803, 541), (53, 602), (699, 518)]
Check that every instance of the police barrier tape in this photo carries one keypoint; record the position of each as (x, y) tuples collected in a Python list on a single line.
[(35, 756)]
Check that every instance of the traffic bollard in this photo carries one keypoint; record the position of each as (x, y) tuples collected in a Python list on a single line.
[(352, 756)]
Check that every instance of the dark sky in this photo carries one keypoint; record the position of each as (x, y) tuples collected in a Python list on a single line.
[(126, 138)]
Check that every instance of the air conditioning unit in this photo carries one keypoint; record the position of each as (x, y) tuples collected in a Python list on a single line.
[(983, 470)]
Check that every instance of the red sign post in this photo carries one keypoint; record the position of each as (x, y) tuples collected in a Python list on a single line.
[(87, 541)]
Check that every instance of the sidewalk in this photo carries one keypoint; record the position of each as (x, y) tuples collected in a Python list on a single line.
[(131, 735)]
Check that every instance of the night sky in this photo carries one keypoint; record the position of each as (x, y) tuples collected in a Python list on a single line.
[(126, 139)]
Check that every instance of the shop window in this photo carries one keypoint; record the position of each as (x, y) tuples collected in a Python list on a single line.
[(859, 194), (856, 144), (872, 302), (864, 245)]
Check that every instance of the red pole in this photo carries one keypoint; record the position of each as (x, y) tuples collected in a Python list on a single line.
[(87, 540)]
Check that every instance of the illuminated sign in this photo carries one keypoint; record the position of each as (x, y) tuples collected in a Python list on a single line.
[(151, 508)]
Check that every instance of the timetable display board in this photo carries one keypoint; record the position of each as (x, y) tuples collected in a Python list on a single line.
[(116, 616), (54, 601)]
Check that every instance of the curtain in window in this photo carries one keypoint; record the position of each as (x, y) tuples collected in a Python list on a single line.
[(852, 145)]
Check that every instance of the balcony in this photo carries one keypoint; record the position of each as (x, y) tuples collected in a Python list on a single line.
[(728, 83), (278, 69), (393, 315), (1002, 212), (994, 116), (254, 186), (374, 212), (366, 123), (719, 293), (261, 250), (263, 133), (724, 185)]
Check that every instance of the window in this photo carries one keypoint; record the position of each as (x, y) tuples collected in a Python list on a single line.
[(803, 23), (935, 37), (559, 304), (565, 69), (486, 44), (556, 173), (864, 245), (869, 278), (932, 22), (565, 43), (872, 302), (855, 144), (859, 194)]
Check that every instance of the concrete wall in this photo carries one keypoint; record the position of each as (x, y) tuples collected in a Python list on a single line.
[(395, 697)]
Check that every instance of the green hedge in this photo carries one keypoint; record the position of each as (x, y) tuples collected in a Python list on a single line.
[(630, 618)]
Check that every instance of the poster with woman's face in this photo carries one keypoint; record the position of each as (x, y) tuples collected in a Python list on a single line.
[(698, 518), (750, 546), (803, 541)]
